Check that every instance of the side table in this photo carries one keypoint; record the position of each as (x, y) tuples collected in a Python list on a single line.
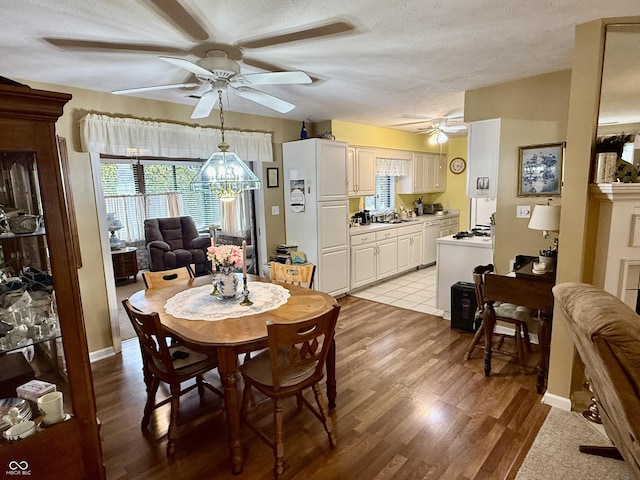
[(125, 263)]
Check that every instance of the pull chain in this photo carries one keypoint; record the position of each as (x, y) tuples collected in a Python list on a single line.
[(221, 115)]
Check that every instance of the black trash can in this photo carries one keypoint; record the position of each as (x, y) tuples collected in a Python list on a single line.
[(463, 307)]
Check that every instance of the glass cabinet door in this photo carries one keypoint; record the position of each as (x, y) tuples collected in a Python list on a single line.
[(31, 350)]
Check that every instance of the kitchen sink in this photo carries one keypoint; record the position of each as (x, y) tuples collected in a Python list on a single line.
[(399, 221)]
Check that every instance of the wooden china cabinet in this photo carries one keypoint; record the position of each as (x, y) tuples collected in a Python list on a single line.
[(42, 334)]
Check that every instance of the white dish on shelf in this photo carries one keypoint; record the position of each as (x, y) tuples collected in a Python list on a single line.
[(41, 425), (20, 430)]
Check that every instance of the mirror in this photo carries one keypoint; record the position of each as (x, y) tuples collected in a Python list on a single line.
[(620, 91)]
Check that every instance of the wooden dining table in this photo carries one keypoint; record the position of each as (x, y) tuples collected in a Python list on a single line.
[(230, 337)]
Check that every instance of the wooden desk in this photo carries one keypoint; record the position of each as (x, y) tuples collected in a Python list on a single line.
[(234, 336), (529, 290)]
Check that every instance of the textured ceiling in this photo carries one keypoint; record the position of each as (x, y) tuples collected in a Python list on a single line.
[(394, 62)]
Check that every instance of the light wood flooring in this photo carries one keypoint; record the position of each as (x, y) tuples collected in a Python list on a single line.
[(408, 407)]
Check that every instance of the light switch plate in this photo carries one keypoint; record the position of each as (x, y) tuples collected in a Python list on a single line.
[(523, 211), (275, 210)]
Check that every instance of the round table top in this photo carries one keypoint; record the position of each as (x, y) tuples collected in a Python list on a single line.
[(303, 303)]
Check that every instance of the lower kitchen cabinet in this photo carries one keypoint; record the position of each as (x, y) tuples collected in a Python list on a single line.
[(409, 247), (374, 256)]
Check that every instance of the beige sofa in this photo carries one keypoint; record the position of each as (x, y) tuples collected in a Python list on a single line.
[(606, 333)]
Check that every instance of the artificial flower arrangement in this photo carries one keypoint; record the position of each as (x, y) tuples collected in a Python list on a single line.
[(229, 256)]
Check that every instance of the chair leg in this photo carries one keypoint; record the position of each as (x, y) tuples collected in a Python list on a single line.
[(527, 340), (299, 400), (326, 419), (474, 342), (278, 445), (246, 398), (151, 401), (520, 345), (173, 419), (199, 381)]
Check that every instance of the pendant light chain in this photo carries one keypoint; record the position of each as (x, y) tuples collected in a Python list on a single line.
[(221, 115)]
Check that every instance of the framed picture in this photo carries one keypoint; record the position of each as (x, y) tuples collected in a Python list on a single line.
[(540, 170), (272, 178)]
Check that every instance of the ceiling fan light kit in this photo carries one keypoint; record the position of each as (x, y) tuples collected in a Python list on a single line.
[(438, 137)]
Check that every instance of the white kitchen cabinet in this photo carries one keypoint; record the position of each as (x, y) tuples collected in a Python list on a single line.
[(361, 172), (317, 220), (483, 152), (387, 257), (414, 183), (435, 173), (428, 174), (374, 256), (409, 247), (363, 260)]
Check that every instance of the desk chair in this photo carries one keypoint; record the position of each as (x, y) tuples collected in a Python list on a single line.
[(301, 275), (293, 362), (505, 312), (171, 365), (167, 277)]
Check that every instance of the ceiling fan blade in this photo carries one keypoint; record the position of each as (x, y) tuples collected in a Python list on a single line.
[(274, 78), (91, 45), (409, 123), (205, 104), (265, 99), (453, 128), (157, 87), (187, 65), (334, 28), (177, 15)]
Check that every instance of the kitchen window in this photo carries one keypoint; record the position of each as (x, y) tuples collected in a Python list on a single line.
[(385, 197)]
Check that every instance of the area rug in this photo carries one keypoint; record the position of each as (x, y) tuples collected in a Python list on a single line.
[(554, 453)]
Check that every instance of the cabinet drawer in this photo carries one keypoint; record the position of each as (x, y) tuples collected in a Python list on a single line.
[(408, 229), (362, 239), (452, 221), (386, 234)]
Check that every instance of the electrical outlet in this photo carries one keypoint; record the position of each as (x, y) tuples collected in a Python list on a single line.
[(275, 210), (523, 211)]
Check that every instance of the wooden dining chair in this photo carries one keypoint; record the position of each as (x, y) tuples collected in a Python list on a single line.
[(293, 362), (167, 277), (171, 365), (508, 313), (301, 275)]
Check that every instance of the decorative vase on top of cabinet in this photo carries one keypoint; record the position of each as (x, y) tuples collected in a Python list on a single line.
[(42, 337)]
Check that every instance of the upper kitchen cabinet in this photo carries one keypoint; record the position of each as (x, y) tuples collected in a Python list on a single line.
[(361, 172), (414, 182), (483, 152), (428, 174), (42, 335), (435, 173)]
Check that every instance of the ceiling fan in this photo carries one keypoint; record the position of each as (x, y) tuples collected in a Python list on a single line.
[(219, 62), (222, 73), (439, 127)]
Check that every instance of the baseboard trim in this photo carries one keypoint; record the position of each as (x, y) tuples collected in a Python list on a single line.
[(557, 401), (101, 354)]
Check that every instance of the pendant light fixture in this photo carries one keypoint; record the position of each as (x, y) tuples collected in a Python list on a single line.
[(224, 173)]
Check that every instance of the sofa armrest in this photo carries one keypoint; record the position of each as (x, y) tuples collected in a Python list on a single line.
[(200, 242), (158, 244)]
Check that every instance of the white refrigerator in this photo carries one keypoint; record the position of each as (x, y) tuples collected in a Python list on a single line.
[(317, 208)]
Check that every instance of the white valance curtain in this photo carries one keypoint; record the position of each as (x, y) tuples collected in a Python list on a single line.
[(392, 167), (134, 137)]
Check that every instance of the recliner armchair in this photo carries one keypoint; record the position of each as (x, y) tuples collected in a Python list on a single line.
[(174, 242)]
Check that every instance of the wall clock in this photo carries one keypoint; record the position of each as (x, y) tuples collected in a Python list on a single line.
[(457, 165)]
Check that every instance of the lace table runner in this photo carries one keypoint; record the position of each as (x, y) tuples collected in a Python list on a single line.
[(198, 303)]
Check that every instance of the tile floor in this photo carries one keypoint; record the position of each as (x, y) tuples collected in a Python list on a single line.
[(415, 290)]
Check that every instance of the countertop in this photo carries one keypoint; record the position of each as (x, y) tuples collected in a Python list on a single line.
[(372, 227), (479, 242)]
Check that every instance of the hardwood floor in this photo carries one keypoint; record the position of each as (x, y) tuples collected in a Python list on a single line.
[(408, 407)]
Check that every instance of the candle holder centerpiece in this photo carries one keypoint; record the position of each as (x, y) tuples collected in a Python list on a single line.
[(225, 260)]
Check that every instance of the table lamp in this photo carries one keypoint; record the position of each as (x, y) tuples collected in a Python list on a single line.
[(547, 219)]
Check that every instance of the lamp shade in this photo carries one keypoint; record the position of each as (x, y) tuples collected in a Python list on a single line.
[(438, 137), (225, 175), (546, 218)]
